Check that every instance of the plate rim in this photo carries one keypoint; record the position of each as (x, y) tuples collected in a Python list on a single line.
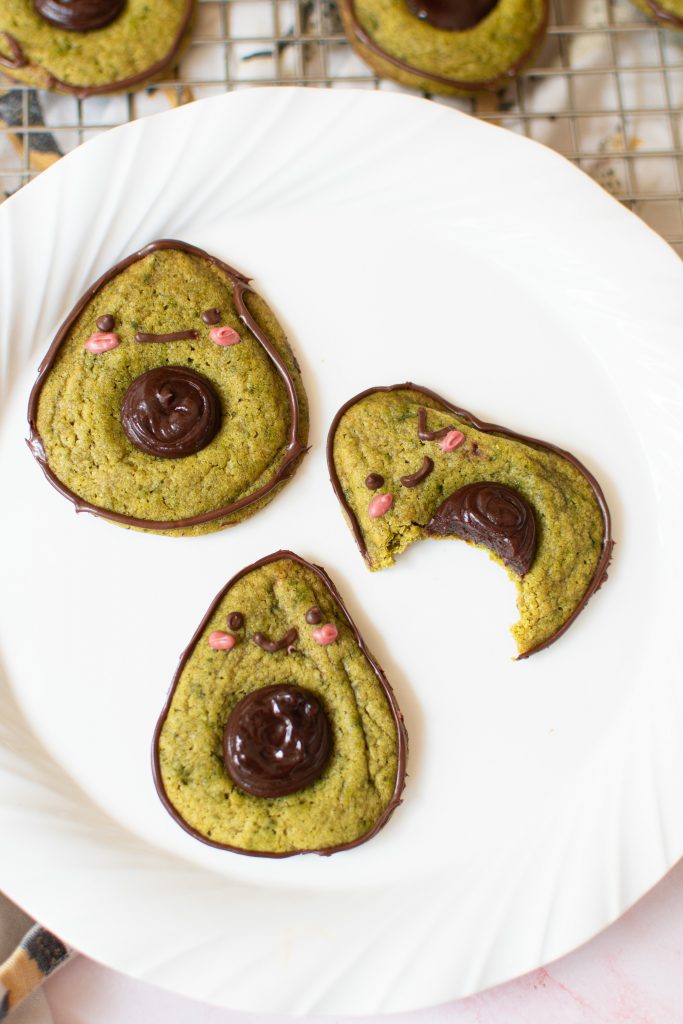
[(12, 211)]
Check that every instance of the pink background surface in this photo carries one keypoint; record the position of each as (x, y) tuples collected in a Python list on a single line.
[(632, 973)]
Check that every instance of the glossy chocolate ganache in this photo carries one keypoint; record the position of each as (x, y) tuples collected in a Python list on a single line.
[(170, 412), (79, 15), (491, 514), (277, 741), (452, 15)]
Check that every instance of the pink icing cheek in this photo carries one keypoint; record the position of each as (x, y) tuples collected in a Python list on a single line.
[(452, 440), (380, 505), (224, 336), (101, 341), (326, 634), (221, 641)]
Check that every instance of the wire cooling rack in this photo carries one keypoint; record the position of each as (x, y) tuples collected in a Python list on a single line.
[(606, 91)]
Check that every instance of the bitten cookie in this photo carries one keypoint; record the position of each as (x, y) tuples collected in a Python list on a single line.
[(281, 734), (406, 464), (457, 47), (169, 400), (88, 47)]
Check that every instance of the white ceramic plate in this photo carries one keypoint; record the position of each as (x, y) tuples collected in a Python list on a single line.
[(398, 240)]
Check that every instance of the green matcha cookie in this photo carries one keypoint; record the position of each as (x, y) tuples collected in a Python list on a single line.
[(87, 47), (667, 13), (169, 400), (406, 464), (457, 47), (281, 734)]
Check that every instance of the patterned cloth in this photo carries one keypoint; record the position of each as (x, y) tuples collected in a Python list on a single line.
[(37, 955)]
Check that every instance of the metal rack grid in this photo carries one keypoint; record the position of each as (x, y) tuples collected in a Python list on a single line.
[(606, 91)]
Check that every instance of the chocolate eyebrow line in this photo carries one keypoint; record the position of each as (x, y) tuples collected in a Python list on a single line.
[(176, 336), (428, 435), (276, 645)]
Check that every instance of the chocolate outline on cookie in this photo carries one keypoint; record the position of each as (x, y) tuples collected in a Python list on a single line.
[(600, 574), (667, 19), (496, 84), (19, 60), (293, 452), (397, 715)]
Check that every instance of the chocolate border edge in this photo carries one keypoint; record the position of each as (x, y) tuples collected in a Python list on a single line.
[(123, 84), (401, 732), (294, 450), (600, 574), (496, 84), (667, 19)]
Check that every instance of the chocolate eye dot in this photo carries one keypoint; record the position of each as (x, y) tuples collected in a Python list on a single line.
[(235, 620), (105, 323), (374, 481), (211, 316), (314, 616)]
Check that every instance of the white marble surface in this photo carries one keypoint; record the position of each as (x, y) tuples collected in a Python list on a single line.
[(632, 973)]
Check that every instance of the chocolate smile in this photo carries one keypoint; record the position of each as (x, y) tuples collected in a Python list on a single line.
[(272, 646), (413, 479)]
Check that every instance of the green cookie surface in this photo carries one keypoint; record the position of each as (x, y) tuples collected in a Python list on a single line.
[(75, 408), (136, 47), (377, 433), (363, 779), (396, 43)]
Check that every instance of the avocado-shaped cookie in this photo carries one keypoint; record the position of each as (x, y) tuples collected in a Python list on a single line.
[(169, 400), (406, 464), (87, 47), (667, 13), (456, 47), (281, 734)]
